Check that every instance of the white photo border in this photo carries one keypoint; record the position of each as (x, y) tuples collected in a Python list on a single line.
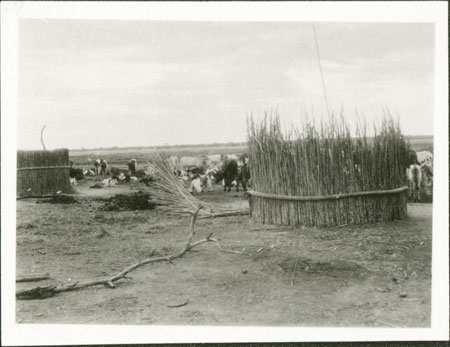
[(55, 334)]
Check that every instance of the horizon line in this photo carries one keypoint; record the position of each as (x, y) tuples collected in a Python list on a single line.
[(221, 144)]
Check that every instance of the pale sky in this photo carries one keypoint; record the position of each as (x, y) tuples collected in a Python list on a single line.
[(137, 83)]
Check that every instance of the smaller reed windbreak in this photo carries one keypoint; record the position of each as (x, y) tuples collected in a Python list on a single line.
[(323, 176), (43, 172)]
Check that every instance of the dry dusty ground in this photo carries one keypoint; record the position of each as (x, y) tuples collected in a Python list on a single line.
[(349, 276)]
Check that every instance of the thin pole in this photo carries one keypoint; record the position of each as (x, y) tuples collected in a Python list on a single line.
[(42, 137), (321, 73)]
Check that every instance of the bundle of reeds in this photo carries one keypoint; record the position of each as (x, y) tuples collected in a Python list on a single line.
[(323, 176), (43, 172), (170, 192)]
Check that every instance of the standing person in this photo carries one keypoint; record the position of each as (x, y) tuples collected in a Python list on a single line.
[(97, 166), (103, 167), (132, 166)]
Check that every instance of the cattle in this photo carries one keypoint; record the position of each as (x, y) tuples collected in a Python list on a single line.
[(425, 157), (228, 173), (121, 177), (181, 175), (147, 180), (89, 172), (231, 157), (243, 176), (427, 176), (214, 158), (424, 161), (211, 161), (195, 171), (184, 177), (190, 161), (200, 179), (244, 158), (411, 158), (132, 166), (140, 173), (77, 174), (173, 161), (109, 182), (115, 171), (414, 175), (200, 183), (206, 182)]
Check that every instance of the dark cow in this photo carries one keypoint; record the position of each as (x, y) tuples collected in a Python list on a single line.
[(115, 171), (76, 173), (243, 176), (140, 173), (147, 180), (229, 173), (195, 171)]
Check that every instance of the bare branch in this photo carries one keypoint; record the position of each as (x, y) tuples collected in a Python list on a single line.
[(42, 137), (45, 292)]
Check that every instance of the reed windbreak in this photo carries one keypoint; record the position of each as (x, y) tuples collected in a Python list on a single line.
[(323, 176), (43, 172)]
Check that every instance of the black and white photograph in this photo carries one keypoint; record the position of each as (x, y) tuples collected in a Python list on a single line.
[(224, 172)]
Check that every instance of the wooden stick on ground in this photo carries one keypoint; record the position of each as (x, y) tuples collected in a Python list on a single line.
[(38, 196), (295, 269), (32, 277), (227, 214)]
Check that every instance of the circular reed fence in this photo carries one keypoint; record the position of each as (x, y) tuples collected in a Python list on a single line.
[(326, 177), (329, 210)]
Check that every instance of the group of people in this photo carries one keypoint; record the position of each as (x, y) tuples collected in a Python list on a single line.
[(101, 169)]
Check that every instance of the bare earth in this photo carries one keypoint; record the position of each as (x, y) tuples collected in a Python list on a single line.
[(374, 275)]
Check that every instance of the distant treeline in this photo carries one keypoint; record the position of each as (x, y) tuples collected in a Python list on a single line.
[(228, 144), (426, 139)]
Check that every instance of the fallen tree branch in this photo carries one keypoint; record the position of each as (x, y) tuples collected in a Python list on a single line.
[(36, 293), (49, 291)]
